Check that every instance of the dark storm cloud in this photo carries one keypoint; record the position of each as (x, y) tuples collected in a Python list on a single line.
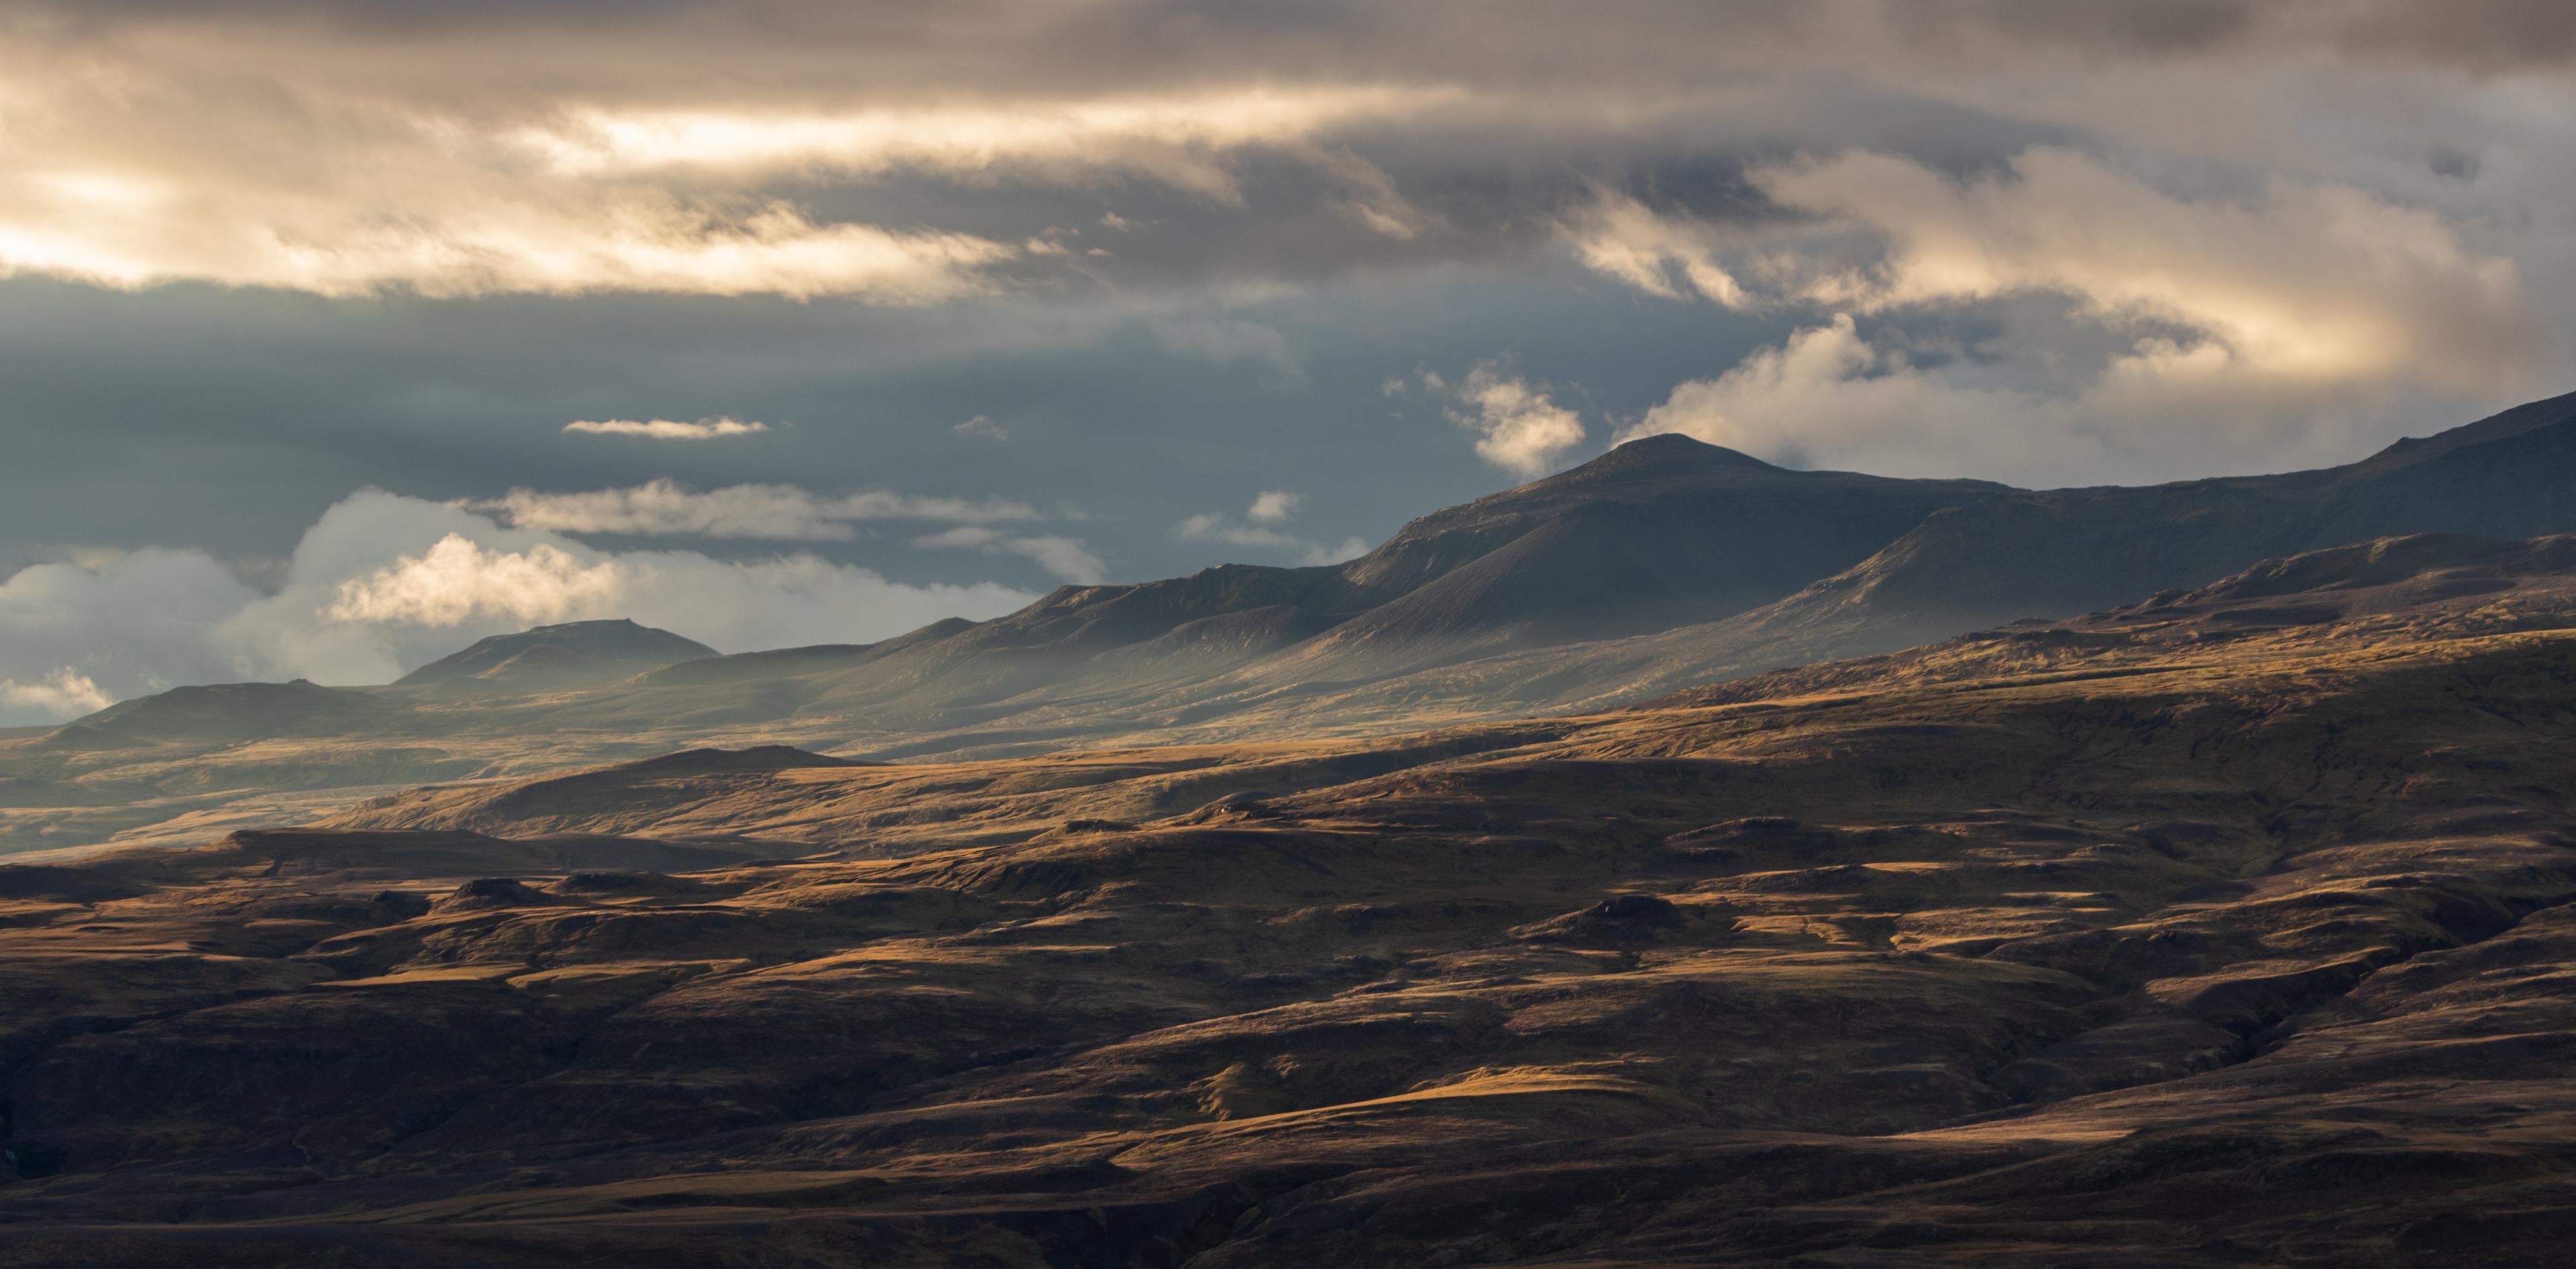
[(1048, 45)]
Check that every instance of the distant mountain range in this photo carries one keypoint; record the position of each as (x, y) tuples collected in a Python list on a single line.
[(1664, 564)]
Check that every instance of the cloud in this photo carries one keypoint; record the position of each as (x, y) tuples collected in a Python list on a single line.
[(382, 583), (1227, 340), (64, 693), (1068, 558), (1349, 548), (1274, 505), (1065, 557), (471, 237), (773, 512), (881, 504), (1165, 138), (1517, 427), (982, 428), (137, 163), (2304, 280), (457, 580), (127, 625), (1213, 527), (666, 430), (1270, 508), (1675, 258), (2280, 192), (2317, 281), (2184, 336), (1827, 397)]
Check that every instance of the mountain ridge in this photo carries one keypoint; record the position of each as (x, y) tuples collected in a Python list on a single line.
[(1659, 565), (543, 657)]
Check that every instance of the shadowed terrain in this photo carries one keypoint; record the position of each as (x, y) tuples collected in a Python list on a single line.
[(1664, 564), (2229, 927)]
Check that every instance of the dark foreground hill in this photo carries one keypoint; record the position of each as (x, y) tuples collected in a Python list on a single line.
[(1663, 564), (2230, 928)]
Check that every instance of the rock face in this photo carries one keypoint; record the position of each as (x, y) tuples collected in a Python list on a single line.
[(2233, 926), (550, 657)]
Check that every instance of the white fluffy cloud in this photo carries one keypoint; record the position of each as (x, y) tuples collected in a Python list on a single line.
[(1674, 257), (774, 512), (65, 693), (1517, 427), (383, 583), (1275, 505), (667, 429), (457, 580)]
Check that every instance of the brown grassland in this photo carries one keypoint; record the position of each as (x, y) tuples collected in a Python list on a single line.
[(2229, 928)]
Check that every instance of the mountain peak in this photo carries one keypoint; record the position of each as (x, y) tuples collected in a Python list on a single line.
[(546, 657), (597, 625), (1675, 447)]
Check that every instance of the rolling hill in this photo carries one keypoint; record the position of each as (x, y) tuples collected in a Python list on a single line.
[(2227, 927)]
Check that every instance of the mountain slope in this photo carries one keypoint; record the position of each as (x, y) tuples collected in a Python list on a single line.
[(2235, 927), (2069, 551), (549, 657), (1658, 532), (1659, 565), (1664, 557), (228, 712)]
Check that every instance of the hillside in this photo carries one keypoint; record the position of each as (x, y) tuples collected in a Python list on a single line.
[(2012, 950), (548, 657), (1662, 564)]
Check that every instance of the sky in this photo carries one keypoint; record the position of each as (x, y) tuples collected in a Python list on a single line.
[(339, 334)]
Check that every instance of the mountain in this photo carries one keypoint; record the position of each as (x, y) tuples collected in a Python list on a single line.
[(2019, 554), (1661, 565), (2067, 551), (228, 712), (546, 658), (1657, 533), (1732, 565), (2232, 926)]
